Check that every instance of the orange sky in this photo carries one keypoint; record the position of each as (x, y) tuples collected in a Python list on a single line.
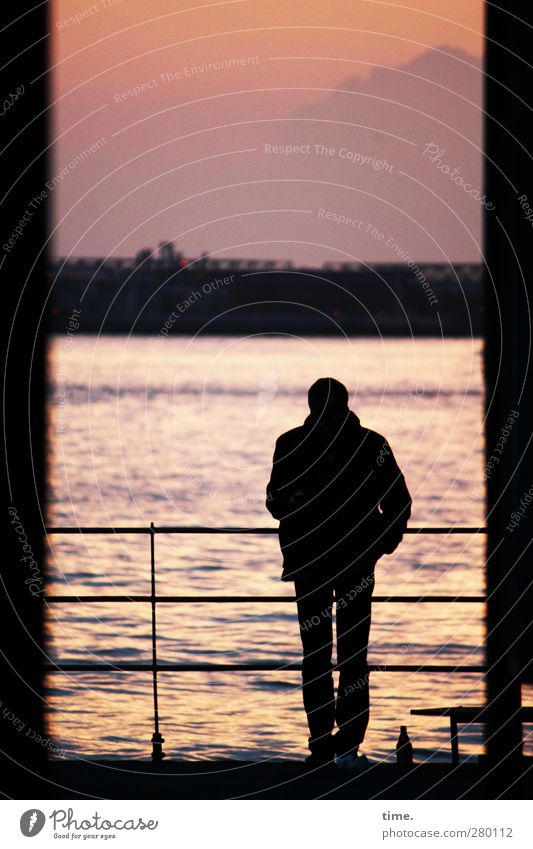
[(102, 51), (126, 39)]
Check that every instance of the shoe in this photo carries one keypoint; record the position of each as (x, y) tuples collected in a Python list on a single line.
[(352, 762), (322, 751)]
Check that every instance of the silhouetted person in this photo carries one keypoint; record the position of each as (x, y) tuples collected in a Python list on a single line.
[(342, 503)]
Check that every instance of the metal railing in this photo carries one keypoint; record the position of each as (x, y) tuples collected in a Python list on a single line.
[(153, 599)]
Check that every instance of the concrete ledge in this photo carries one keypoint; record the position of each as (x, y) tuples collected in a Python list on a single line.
[(272, 780)]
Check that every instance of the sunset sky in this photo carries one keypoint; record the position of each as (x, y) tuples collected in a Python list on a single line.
[(124, 71)]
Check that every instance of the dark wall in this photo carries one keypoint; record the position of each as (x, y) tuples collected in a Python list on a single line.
[(508, 239), (23, 175)]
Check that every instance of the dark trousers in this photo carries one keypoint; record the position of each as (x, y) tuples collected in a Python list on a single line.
[(350, 709)]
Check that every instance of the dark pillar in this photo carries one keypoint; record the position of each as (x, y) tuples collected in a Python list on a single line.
[(23, 177), (508, 249)]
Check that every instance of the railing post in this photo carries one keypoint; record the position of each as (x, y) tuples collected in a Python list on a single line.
[(157, 740), (454, 739)]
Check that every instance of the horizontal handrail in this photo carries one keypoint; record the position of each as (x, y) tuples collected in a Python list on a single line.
[(243, 667), (204, 529), (253, 599)]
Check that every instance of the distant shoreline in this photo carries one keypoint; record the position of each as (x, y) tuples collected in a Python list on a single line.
[(262, 333), (160, 297)]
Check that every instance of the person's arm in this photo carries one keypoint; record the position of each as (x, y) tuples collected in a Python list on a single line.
[(279, 502), (395, 500)]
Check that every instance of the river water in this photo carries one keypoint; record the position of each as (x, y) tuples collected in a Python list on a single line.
[(182, 433)]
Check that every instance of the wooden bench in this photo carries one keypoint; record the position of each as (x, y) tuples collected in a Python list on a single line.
[(469, 714)]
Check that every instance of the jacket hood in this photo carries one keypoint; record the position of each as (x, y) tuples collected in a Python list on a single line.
[(327, 424)]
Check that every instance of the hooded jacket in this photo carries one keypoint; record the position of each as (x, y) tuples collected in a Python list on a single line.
[(338, 494)]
